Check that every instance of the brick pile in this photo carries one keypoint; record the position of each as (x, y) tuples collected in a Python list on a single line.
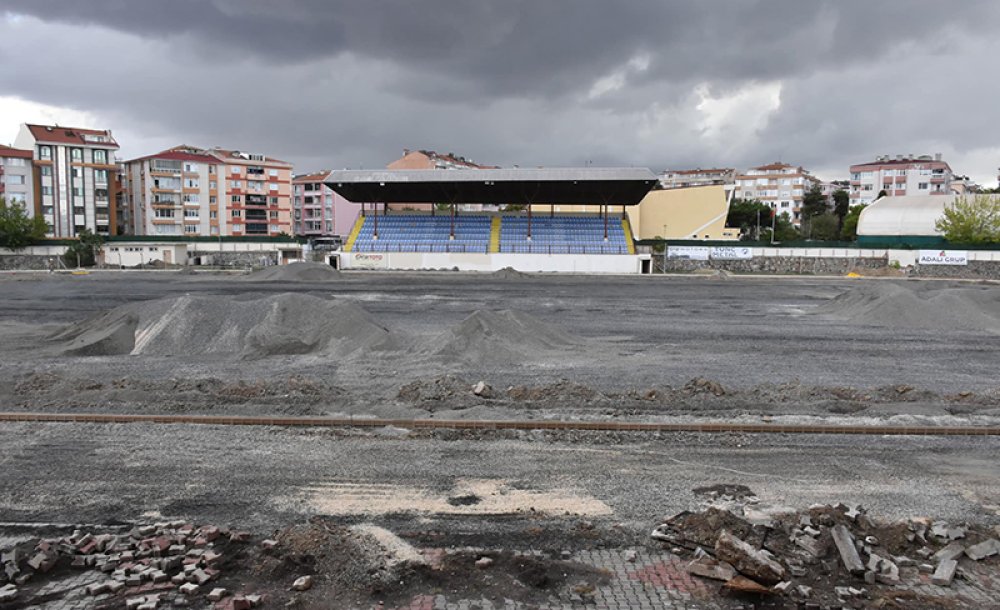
[(150, 565)]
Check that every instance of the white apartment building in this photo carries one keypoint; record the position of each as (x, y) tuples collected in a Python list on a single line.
[(74, 168), (17, 180), (779, 185), (904, 175)]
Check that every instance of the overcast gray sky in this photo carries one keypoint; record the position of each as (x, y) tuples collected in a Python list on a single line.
[(657, 83)]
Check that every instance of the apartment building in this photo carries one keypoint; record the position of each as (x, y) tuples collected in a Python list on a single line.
[(429, 159), (318, 210), (72, 169), (684, 178), (208, 192), (17, 181), (904, 175), (779, 185)]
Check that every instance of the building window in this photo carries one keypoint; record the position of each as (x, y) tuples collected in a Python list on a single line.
[(46, 170), (46, 190), (76, 154), (273, 186), (191, 183), (213, 185), (211, 170), (191, 198), (101, 176), (922, 186), (190, 213), (77, 191), (236, 199), (190, 228), (274, 201), (45, 152), (13, 179), (234, 170), (77, 172), (237, 213), (236, 184), (100, 156), (274, 215), (273, 173), (213, 214), (212, 199)]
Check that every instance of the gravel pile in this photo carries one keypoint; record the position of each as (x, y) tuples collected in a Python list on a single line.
[(510, 273), (294, 272), (281, 324), (501, 336), (918, 305)]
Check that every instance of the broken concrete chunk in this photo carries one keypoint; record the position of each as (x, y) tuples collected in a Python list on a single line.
[(484, 562), (944, 573), (984, 549), (954, 550), (303, 583), (188, 588), (217, 594), (848, 554), (747, 560), (8, 593), (707, 567)]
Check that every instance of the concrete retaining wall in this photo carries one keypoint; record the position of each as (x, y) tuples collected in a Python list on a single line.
[(563, 263)]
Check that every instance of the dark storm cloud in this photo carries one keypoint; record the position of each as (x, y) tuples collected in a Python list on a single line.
[(522, 81)]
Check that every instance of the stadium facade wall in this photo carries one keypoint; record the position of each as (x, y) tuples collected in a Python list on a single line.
[(562, 263)]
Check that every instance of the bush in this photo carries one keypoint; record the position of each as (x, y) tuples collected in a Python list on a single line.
[(17, 229), (971, 221)]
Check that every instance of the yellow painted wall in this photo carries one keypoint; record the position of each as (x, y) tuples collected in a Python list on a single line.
[(685, 213)]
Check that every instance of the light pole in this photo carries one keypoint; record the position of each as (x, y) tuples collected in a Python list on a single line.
[(664, 248)]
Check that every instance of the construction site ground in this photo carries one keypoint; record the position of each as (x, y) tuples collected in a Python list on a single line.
[(563, 516)]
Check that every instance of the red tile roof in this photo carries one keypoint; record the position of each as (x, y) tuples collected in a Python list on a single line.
[(773, 166), (9, 151), (311, 177), (234, 156), (54, 134), (180, 153)]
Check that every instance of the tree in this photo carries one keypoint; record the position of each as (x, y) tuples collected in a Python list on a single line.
[(17, 229), (841, 205), (659, 245), (745, 214), (814, 203), (849, 230), (83, 252), (971, 221), (784, 230), (825, 227)]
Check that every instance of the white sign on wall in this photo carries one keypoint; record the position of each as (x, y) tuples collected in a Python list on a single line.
[(688, 253), (943, 257), (726, 253), (370, 261)]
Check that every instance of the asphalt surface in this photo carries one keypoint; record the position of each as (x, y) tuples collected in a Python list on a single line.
[(262, 478)]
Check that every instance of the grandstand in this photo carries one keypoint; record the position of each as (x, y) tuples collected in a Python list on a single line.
[(598, 242), (574, 234)]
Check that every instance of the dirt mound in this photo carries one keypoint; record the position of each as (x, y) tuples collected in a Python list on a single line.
[(510, 273), (106, 335), (507, 335), (218, 325), (294, 272), (918, 306)]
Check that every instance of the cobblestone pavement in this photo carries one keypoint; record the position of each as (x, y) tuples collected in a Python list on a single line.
[(658, 580)]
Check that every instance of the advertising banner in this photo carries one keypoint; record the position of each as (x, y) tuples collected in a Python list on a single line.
[(689, 253), (943, 257), (370, 261), (731, 254)]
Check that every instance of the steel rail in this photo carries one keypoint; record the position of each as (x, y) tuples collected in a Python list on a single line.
[(457, 424)]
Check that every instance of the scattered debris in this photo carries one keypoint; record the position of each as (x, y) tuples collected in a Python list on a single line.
[(757, 564), (303, 583)]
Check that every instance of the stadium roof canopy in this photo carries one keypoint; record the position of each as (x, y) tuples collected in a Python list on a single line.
[(572, 185)]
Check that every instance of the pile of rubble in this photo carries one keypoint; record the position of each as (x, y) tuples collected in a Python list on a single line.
[(828, 556), (149, 566)]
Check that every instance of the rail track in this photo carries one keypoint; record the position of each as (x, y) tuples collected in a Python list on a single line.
[(454, 424)]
